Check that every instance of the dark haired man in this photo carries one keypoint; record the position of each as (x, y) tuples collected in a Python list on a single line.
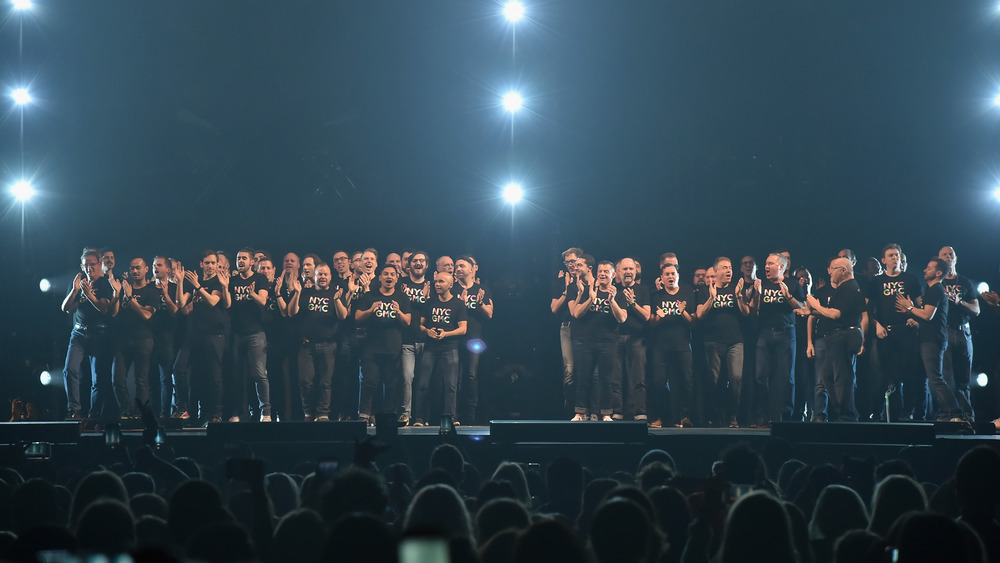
[(670, 341), (384, 312), (248, 293), (134, 345), (164, 327), (720, 311), (564, 292), (479, 310), (598, 311), (417, 290)]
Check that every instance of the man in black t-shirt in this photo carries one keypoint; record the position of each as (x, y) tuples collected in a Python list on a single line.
[(774, 301), (932, 315), (479, 310), (385, 313), (670, 341), (417, 289), (443, 321), (89, 301), (720, 312), (319, 310), (836, 338), (963, 304), (598, 311), (134, 346), (248, 293), (631, 347), (898, 348), (563, 292), (164, 335)]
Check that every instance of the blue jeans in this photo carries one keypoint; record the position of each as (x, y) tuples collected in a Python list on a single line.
[(250, 362), (135, 353), (163, 362), (775, 376), (95, 344), (443, 363), (316, 366), (958, 367), (412, 353), (725, 392), (932, 355)]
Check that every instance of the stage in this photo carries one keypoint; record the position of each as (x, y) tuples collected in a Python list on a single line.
[(604, 447)]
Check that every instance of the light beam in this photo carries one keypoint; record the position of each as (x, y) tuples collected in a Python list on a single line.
[(512, 193)]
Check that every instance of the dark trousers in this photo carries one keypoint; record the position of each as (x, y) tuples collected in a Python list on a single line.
[(932, 354), (135, 353), (898, 354), (671, 378), (775, 375), (316, 367), (249, 357), (468, 386), (836, 356), (164, 355), (722, 394), (96, 345), (198, 374), (958, 367), (437, 363), (603, 354), (382, 383), (632, 354), (347, 378)]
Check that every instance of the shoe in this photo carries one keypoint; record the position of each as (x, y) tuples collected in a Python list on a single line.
[(593, 418), (760, 423), (234, 419), (265, 418), (403, 420), (607, 418), (685, 423), (578, 418), (419, 422), (819, 419), (617, 417), (183, 415), (456, 423), (322, 419), (655, 423), (74, 415), (309, 418), (733, 423)]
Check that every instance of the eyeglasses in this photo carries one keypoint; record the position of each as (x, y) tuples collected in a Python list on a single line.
[(341, 259)]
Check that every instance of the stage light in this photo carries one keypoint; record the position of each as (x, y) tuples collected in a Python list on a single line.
[(476, 345), (982, 380), (983, 287), (512, 193), (45, 378), (21, 96), (22, 191), (513, 11), (45, 285), (996, 100), (512, 101), (22, 4), (996, 193)]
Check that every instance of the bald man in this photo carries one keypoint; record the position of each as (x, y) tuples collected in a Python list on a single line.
[(963, 304)]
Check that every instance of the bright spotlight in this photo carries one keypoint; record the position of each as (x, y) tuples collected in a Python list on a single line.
[(21, 96), (996, 100), (45, 285), (22, 191), (996, 193), (45, 378), (513, 193), (983, 287), (513, 11), (512, 101), (476, 346), (22, 4), (982, 380)]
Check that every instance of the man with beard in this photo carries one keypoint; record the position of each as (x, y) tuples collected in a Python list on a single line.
[(347, 377), (750, 326), (108, 263), (932, 315), (385, 312), (275, 324), (203, 300), (417, 290), (404, 265), (599, 309), (479, 310), (897, 341), (673, 313), (632, 346), (838, 322), (320, 309), (963, 304), (134, 345), (563, 293), (89, 301), (284, 342), (248, 292), (721, 312), (164, 333), (443, 322), (775, 302)]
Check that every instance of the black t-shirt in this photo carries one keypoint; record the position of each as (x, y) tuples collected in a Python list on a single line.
[(164, 323), (385, 331), (317, 315), (558, 287), (129, 322), (849, 300), (822, 325), (205, 319), (673, 333), (936, 329), (722, 322), (882, 293), (415, 292), (965, 289), (598, 322), (270, 315), (634, 324), (474, 312), (776, 312), (86, 313), (444, 315), (247, 316)]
